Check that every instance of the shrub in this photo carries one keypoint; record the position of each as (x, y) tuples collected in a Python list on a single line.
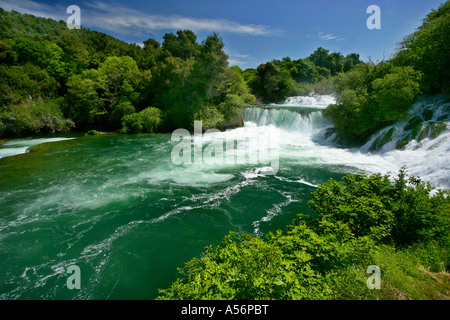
[(210, 116), (146, 121), (33, 117)]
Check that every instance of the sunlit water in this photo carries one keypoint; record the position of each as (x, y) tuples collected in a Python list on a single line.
[(119, 208)]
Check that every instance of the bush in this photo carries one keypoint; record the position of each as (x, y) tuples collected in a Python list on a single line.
[(146, 121), (210, 116), (402, 211), (93, 133), (33, 117)]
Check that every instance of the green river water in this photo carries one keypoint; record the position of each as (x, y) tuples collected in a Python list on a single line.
[(121, 210)]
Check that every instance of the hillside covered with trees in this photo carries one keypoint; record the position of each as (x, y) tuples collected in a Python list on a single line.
[(54, 79)]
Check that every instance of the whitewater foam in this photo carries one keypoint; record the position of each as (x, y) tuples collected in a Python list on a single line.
[(20, 146), (304, 139), (312, 101)]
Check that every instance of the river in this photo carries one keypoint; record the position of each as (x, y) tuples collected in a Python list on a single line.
[(121, 209)]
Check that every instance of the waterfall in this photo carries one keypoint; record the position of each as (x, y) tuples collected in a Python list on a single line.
[(313, 101), (286, 119), (421, 142)]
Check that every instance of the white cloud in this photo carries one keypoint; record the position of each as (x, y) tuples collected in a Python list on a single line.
[(122, 19), (329, 36), (57, 12), (242, 60), (118, 18)]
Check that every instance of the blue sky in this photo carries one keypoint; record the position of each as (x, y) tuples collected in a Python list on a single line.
[(254, 32)]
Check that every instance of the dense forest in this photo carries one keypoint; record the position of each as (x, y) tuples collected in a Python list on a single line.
[(54, 79)]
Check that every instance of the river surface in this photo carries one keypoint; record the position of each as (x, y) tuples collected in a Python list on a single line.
[(121, 209)]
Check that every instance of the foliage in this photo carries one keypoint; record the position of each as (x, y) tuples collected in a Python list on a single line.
[(398, 224), (271, 84), (146, 121), (395, 92), (33, 117), (93, 133), (274, 81), (371, 97), (107, 83), (426, 50)]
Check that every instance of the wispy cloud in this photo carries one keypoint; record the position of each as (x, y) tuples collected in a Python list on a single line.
[(242, 60), (115, 17), (330, 36), (35, 8), (122, 19)]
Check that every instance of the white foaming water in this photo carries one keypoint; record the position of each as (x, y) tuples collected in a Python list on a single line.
[(427, 154), (313, 101), (19, 146), (302, 141)]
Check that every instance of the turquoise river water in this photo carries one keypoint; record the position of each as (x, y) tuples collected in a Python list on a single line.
[(120, 208)]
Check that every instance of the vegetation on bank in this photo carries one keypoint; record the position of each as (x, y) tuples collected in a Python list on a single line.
[(399, 224), (274, 81), (90, 80), (371, 97), (54, 79)]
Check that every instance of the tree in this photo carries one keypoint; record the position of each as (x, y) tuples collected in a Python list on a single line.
[(104, 95), (395, 92), (271, 84), (183, 45), (427, 50), (83, 103)]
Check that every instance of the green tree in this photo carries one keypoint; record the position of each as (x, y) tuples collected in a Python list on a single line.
[(146, 121), (270, 84), (427, 50), (83, 103), (395, 92), (183, 45)]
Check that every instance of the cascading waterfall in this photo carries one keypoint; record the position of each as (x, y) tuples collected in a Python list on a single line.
[(19, 146), (315, 101), (421, 143), (286, 119)]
